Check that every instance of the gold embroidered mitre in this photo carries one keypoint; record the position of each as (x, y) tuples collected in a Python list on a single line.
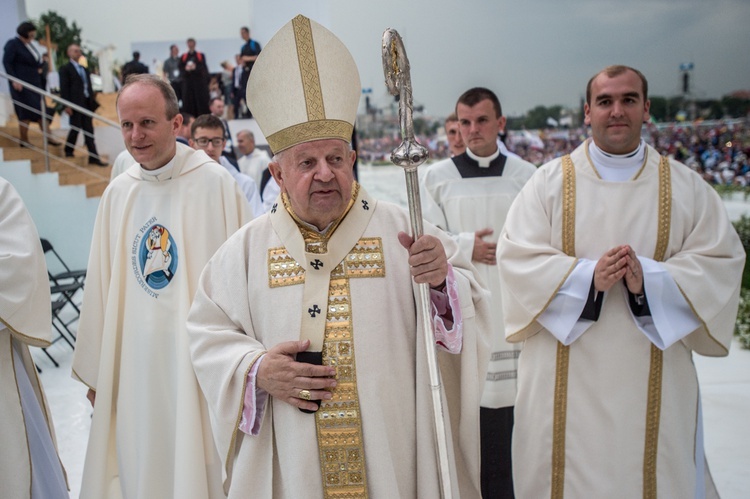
[(304, 86)]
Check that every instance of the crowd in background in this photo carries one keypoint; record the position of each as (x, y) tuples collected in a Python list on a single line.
[(195, 85), (719, 150)]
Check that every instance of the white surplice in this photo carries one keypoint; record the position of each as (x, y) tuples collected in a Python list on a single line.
[(461, 206)]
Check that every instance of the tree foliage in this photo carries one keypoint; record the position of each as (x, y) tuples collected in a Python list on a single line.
[(662, 109), (735, 107), (62, 36)]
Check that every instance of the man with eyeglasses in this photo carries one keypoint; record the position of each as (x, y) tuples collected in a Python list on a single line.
[(158, 224), (207, 134)]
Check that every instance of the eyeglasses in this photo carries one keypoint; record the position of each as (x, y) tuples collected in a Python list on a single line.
[(204, 141)]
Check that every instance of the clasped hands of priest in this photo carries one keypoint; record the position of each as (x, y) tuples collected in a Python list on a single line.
[(616, 264), (301, 384), (484, 251)]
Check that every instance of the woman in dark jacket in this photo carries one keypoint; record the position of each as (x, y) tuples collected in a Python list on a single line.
[(22, 60)]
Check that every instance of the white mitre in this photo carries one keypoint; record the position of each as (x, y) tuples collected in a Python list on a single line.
[(304, 86)]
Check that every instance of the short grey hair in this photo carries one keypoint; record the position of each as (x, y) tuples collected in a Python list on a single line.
[(246, 132)]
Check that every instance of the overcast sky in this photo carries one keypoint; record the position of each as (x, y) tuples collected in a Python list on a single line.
[(531, 52)]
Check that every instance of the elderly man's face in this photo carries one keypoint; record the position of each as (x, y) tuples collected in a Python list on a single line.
[(245, 143), (318, 177), (149, 135)]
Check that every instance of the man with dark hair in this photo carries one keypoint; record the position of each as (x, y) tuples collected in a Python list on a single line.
[(134, 67), (469, 196), (619, 265), (205, 134), (183, 134), (453, 135), (158, 224), (194, 73), (249, 52), (75, 86)]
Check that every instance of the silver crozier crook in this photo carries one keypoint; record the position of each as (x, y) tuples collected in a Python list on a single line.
[(409, 155)]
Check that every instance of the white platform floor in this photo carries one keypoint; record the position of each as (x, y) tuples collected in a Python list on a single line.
[(725, 387)]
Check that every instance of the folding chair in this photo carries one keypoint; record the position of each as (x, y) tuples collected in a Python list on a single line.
[(59, 325), (74, 275), (64, 284)]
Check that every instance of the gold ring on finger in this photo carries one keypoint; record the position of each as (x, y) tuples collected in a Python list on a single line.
[(304, 394)]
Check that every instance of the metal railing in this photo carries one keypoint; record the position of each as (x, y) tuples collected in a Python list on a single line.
[(43, 96)]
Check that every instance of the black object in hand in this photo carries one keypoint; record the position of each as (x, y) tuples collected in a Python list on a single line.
[(311, 358)]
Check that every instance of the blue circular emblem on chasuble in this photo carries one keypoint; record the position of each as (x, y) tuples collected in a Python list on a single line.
[(158, 257)]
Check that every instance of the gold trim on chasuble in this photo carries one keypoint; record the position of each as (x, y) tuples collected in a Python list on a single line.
[(338, 421), (653, 409), (563, 351)]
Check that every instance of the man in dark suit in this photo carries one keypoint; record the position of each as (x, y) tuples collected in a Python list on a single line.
[(75, 86)]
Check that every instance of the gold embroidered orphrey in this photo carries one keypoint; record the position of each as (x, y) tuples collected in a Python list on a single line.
[(653, 409), (338, 421)]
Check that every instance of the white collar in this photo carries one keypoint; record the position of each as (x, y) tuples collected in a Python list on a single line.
[(617, 167), (484, 162), (163, 173)]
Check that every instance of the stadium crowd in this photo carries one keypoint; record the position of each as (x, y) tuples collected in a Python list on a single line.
[(718, 150)]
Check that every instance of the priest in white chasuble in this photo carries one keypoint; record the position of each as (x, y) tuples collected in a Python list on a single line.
[(158, 224), (469, 196), (314, 307), (29, 463), (619, 265)]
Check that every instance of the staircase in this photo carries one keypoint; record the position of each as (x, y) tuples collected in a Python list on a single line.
[(71, 171)]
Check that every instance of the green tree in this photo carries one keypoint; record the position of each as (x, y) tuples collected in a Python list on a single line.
[(735, 107), (710, 109), (658, 108), (515, 122), (62, 36)]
